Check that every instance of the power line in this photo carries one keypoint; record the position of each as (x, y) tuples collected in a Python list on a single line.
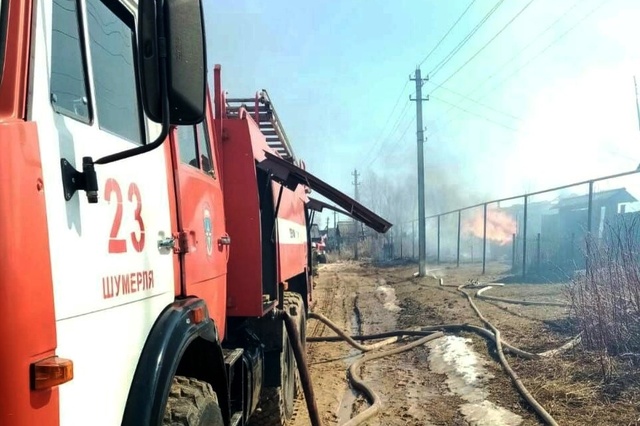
[(477, 102), (553, 42), (447, 33), (393, 130), (522, 50), (473, 113), (382, 131), (487, 43), (465, 40), (404, 132)]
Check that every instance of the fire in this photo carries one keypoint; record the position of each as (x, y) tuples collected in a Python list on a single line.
[(500, 226)]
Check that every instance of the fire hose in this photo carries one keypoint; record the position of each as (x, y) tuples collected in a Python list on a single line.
[(428, 334), (354, 377), (480, 295), (539, 409)]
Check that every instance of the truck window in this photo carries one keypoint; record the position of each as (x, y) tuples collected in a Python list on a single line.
[(114, 72), (68, 73), (205, 149), (187, 144), (194, 145)]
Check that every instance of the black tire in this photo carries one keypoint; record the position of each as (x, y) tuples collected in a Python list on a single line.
[(192, 402), (276, 403), (297, 312), (322, 258)]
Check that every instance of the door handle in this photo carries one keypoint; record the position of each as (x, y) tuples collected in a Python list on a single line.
[(167, 243), (224, 240)]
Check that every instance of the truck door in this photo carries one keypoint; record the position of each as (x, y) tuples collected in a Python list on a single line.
[(201, 210), (111, 281)]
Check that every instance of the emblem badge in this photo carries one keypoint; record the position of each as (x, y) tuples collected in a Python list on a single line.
[(208, 231)]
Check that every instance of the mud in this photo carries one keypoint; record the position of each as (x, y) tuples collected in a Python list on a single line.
[(455, 380)]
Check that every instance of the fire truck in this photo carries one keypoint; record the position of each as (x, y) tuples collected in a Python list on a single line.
[(151, 233)]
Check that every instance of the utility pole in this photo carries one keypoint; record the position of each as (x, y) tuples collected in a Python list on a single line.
[(335, 231), (422, 255), (327, 224), (413, 239), (355, 175), (635, 83)]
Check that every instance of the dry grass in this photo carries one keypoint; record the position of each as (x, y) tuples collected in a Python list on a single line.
[(605, 303), (571, 386), (555, 380)]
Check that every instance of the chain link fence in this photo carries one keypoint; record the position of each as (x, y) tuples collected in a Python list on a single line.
[(542, 233)]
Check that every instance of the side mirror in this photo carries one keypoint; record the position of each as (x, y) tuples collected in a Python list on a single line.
[(175, 29)]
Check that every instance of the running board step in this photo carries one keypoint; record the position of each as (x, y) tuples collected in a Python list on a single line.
[(236, 418), (233, 362), (231, 356)]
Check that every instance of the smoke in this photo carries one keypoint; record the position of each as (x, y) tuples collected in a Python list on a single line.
[(446, 189), (393, 192)]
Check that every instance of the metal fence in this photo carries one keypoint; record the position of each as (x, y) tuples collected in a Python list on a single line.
[(543, 232)]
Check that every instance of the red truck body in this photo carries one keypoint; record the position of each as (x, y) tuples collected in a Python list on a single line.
[(172, 276)]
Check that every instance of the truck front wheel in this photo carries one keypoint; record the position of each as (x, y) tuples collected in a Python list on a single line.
[(192, 402)]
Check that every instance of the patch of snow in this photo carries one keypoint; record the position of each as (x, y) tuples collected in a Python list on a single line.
[(387, 296), (487, 413), (467, 377), (465, 371)]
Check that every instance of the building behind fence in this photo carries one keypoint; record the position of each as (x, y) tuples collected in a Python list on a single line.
[(537, 233)]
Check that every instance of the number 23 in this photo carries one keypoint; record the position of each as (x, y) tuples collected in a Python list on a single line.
[(119, 245)]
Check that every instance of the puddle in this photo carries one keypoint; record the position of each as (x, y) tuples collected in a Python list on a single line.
[(467, 377)]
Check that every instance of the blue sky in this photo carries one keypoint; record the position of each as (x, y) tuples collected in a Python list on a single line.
[(552, 96)]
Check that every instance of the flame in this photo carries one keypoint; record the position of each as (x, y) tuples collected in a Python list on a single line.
[(500, 226)]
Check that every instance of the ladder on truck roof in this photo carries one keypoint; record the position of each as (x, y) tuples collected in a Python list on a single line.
[(265, 115)]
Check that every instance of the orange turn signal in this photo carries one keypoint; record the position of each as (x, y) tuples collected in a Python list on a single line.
[(51, 372), (197, 315)]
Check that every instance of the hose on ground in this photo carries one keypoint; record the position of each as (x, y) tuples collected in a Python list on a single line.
[(423, 331), (538, 408), (354, 376), (428, 333), (426, 330), (359, 384), (485, 287), (392, 338), (480, 295)]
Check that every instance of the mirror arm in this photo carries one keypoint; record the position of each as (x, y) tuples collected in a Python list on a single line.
[(74, 180)]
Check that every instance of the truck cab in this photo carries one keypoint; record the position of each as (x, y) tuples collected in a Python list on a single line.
[(154, 239)]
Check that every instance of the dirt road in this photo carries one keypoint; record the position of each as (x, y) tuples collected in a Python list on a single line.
[(455, 380)]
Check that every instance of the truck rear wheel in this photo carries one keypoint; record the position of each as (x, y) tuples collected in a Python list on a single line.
[(296, 310), (192, 402), (276, 403)]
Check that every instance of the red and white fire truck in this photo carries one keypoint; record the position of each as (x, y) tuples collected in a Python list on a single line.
[(149, 233)]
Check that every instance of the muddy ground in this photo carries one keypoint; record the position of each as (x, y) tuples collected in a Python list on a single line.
[(425, 386)]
